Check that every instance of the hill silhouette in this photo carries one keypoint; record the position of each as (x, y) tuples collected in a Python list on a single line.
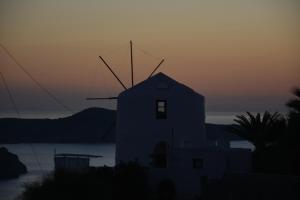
[(92, 125), (88, 126), (11, 166)]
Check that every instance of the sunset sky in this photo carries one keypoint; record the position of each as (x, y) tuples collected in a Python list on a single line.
[(240, 54)]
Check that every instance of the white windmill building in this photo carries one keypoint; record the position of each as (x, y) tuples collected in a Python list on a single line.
[(161, 125), (155, 113)]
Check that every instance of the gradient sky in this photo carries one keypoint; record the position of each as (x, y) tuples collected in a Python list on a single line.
[(241, 54)]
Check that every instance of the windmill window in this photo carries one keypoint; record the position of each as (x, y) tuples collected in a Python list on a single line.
[(159, 155), (197, 163), (161, 109)]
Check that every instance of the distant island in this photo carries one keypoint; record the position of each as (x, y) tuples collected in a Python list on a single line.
[(88, 126), (92, 125), (11, 166)]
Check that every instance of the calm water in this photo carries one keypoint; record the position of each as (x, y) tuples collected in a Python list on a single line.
[(39, 161)]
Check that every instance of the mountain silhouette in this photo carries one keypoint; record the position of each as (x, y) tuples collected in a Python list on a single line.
[(92, 125), (88, 126)]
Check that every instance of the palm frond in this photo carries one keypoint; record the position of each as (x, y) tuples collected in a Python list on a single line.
[(260, 130), (266, 118), (294, 104), (242, 121), (251, 117)]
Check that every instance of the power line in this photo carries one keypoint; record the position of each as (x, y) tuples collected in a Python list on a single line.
[(19, 115), (147, 53), (11, 98), (36, 157), (52, 96)]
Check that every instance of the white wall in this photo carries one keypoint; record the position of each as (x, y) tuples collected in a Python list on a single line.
[(138, 130), (188, 180)]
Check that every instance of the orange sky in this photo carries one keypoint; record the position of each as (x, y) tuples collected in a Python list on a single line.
[(230, 51)]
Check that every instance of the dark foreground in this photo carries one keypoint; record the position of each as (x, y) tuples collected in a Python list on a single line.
[(129, 181), (123, 182)]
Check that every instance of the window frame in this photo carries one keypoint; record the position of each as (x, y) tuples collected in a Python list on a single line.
[(159, 155), (196, 163), (159, 114)]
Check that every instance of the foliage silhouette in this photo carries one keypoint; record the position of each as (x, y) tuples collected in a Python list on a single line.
[(294, 104), (90, 184), (125, 181), (166, 190), (130, 181), (276, 138), (291, 142), (261, 131)]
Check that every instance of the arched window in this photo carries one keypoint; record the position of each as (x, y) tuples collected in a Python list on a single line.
[(159, 156)]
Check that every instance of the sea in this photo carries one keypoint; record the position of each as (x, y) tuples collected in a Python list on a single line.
[(39, 157)]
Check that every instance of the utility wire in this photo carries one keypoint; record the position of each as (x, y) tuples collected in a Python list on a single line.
[(52, 96), (147, 52), (19, 115), (36, 157), (11, 98)]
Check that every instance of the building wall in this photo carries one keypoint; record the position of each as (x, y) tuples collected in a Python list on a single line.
[(190, 181), (138, 130)]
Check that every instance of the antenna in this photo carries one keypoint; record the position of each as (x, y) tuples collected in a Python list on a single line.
[(131, 61)]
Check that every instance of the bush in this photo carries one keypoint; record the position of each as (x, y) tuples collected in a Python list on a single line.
[(126, 181)]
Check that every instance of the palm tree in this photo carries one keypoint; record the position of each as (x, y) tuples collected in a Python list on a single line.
[(294, 104), (294, 119), (292, 138), (261, 131)]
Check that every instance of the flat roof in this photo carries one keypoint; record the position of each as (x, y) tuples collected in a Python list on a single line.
[(77, 155)]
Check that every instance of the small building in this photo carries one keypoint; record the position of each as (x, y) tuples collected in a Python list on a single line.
[(161, 124), (73, 162)]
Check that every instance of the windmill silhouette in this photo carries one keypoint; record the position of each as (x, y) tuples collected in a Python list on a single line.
[(117, 77), (110, 128)]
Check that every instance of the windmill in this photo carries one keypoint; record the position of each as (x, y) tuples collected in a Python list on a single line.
[(121, 83), (117, 77)]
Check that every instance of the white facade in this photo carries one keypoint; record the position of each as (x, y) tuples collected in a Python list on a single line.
[(161, 124), (138, 128)]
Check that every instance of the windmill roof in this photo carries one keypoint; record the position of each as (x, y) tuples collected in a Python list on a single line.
[(160, 81)]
